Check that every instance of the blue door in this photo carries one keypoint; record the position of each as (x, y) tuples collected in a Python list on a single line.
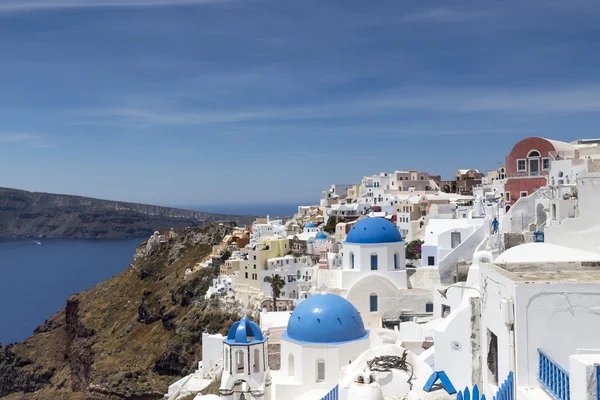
[(373, 262), (373, 302)]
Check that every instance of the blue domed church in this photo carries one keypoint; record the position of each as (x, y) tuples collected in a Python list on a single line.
[(325, 333), (373, 270)]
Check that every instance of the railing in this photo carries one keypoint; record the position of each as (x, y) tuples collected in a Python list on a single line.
[(598, 383), (553, 377), (333, 394), (526, 174), (506, 391)]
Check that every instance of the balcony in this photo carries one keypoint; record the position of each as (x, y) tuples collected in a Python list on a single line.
[(553, 377), (525, 174)]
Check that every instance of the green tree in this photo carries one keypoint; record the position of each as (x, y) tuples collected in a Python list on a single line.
[(413, 250), (277, 283), (330, 225), (225, 255)]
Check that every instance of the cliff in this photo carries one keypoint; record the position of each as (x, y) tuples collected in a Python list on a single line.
[(34, 215), (129, 337)]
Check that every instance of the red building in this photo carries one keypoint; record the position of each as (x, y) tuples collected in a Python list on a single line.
[(528, 165)]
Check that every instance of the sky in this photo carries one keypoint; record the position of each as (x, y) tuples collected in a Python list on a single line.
[(179, 102)]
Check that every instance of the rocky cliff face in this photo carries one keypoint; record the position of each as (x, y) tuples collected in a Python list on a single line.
[(33, 215), (129, 337)]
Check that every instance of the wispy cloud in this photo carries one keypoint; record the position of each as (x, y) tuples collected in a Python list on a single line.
[(449, 100), (28, 139), (441, 15), (38, 5)]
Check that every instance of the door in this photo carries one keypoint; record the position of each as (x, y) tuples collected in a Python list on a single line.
[(534, 166), (454, 239)]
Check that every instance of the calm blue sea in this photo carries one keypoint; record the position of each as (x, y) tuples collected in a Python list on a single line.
[(273, 209), (37, 279)]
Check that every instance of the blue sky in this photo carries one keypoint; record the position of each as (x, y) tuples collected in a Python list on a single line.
[(248, 101)]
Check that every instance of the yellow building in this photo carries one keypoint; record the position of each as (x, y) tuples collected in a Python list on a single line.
[(247, 285)]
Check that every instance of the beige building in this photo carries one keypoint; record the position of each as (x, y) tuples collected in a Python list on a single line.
[(247, 285)]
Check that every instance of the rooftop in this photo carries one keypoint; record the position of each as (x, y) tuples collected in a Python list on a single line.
[(545, 253), (570, 272)]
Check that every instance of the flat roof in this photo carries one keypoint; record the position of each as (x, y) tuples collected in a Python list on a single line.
[(575, 272)]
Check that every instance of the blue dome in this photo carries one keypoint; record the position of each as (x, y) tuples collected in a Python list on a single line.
[(373, 230), (321, 236), (245, 331), (325, 318), (309, 225)]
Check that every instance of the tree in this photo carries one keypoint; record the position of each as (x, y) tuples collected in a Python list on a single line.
[(225, 255), (330, 225), (277, 283), (413, 250)]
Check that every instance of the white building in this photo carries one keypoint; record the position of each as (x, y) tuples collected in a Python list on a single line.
[(448, 241), (373, 270), (222, 285), (266, 230), (246, 371), (298, 273), (524, 326), (324, 333)]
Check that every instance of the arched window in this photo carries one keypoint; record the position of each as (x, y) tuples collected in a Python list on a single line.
[(351, 260), (320, 370), (291, 371), (227, 364), (373, 262), (396, 261), (257, 360), (533, 153), (239, 361), (373, 306)]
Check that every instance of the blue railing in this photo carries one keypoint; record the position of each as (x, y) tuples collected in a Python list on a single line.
[(598, 382), (553, 377), (332, 395), (506, 391)]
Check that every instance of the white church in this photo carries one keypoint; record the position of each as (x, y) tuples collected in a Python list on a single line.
[(373, 270)]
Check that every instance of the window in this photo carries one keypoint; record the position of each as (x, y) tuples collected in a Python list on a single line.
[(533, 153), (545, 163), (395, 260), (246, 275), (291, 365), (351, 260), (521, 165), (373, 262), (507, 196), (554, 211), (455, 239), (429, 307), (239, 357), (320, 371), (492, 358), (430, 260), (373, 303), (256, 360), (255, 257), (445, 310), (254, 266), (523, 194)]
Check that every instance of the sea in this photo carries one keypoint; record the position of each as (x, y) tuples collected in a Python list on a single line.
[(260, 210), (37, 279)]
